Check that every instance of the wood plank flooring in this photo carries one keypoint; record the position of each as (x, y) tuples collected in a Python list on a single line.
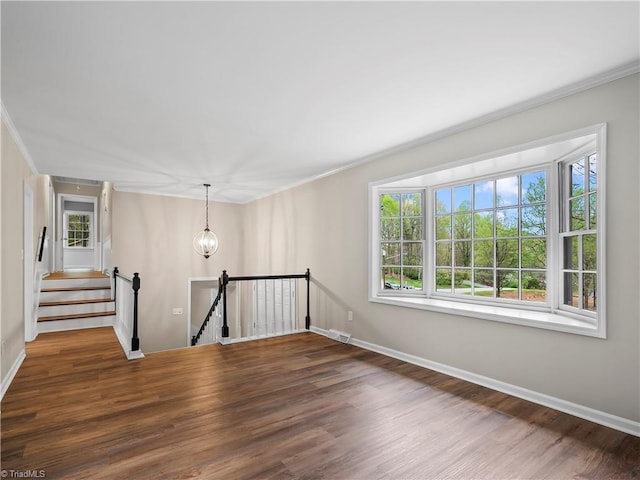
[(294, 407)]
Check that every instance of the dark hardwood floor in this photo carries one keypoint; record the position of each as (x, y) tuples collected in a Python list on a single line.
[(294, 407)]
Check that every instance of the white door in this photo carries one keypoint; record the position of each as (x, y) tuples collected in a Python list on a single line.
[(78, 244)]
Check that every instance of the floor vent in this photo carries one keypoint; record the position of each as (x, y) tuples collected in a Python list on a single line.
[(339, 336)]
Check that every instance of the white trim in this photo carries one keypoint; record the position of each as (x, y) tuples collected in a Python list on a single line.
[(28, 263), (17, 139), (126, 344), (6, 382), (229, 341), (542, 153), (95, 239), (215, 284), (597, 416), (528, 318)]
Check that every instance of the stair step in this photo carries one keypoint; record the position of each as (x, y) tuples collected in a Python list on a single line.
[(74, 316), (78, 274), (76, 280), (76, 302), (74, 289)]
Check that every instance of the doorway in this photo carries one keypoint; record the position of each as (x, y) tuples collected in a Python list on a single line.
[(78, 247)]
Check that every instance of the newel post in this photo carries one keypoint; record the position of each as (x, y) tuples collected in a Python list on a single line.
[(307, 320), (135, 341), (225, 327), (115, 276)]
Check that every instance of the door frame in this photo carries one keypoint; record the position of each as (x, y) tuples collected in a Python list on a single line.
[(60, 241), (28, 263)]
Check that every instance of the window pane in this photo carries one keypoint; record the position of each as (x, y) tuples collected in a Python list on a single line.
[(443, 228), (412, 228), (571, 289), (534, 253), (571, 253), (483, 253), (593, 172), (462, 280), (483, 225), (589, 252), (589, 291), (412, 204), (507, 191), (534, 187), (576, 207), (391, 278), (534, 286), (462, 198), (577, 178), (389, 205), (507, 253), (534, 220), (507, 222), (443, 201), (443, 254), (483, 283), (443, 280), (462, 225), (507, 284), (412, 253), (412, 278), (462, 254), (390, 229), (390, 254), (483, 195), (593, 211)]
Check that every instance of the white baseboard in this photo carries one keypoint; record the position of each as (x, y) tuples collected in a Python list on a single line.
[(228, 341), (125, 343), (603, 418), (6, 382)]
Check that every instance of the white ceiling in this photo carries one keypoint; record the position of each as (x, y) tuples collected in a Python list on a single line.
[(161, 97)]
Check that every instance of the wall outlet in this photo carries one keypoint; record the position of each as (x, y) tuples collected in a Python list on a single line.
[(177, 311), (350, 316)]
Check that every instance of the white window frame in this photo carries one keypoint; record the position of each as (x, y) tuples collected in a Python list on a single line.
[(65, 226), (395, 191), (550, 154), (550, 177)]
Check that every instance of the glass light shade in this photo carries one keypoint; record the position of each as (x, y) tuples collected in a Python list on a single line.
[(205, 243)]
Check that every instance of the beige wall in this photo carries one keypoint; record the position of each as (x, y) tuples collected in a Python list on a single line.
[(324, 225), (153, 235), (15, 171)]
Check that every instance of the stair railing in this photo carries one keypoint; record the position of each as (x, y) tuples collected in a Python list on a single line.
[(222, 283), (306, 276), (126, 305), (221, 298)]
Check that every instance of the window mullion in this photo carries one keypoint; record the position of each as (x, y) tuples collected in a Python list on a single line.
[(428, 247)]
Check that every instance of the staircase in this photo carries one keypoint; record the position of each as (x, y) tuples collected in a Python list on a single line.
[(73, 300)]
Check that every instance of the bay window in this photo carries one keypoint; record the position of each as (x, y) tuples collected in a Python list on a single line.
[(520, 240)]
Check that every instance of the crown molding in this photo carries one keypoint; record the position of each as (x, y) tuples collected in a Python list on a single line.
[(557, 94), (13, 131)]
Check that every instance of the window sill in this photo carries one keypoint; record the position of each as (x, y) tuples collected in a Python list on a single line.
[(558, 321)]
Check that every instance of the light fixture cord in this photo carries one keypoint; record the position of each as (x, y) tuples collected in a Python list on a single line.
[(207, 207)]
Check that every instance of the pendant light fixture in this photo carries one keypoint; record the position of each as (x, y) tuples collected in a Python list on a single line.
[(206, 242)]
